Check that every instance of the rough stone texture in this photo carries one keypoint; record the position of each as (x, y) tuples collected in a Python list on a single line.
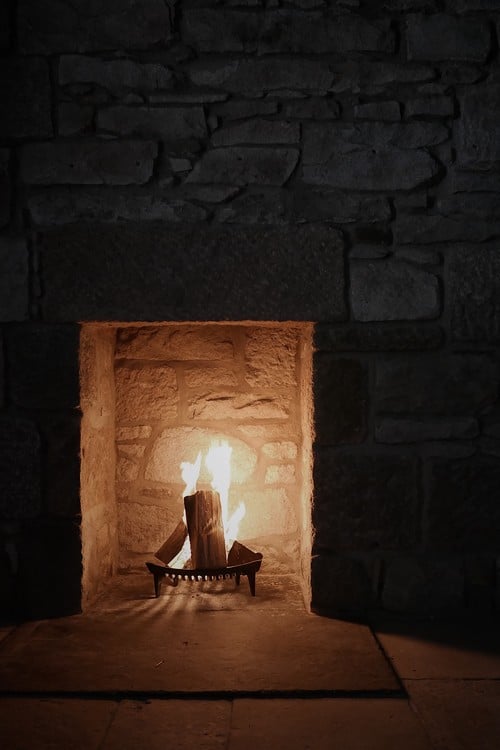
[(243, 165), (436, 384), (389, 110), (281, 451), (369, 169), (432, 106), (209, 376), (257, 76), (372, 337), (169, 124), (419, 229), (275, 516), (73, 119), (20, 463), (340, 585), (180, 343), (257, 131), (391, 290), (340, 400), (337, 206), (71, 204), (416, 430), (463, 514), (14, 284), (475, 294), (280, 474), (231, 405), (43, 365), (254, 207), (364, 502), (442, 37), (425, 586), (5, 190), (88, 163), (25, 89), (48, 26), (145, 392), (144, 527), (303, 268), (270, 355), (117, 76)]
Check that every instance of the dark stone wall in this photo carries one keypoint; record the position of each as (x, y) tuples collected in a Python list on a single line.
[(335, 161)]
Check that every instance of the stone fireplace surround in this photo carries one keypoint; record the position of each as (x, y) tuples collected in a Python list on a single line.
[(220, 164)]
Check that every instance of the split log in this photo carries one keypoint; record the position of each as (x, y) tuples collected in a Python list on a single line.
[(206, 532), (173, 545)]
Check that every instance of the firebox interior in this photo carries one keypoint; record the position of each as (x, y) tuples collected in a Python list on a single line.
[(158, 394)]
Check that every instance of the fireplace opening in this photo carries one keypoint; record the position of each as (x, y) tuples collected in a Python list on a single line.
[(158, 395)]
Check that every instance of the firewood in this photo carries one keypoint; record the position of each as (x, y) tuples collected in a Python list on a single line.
[(206, 532), (173, 545)]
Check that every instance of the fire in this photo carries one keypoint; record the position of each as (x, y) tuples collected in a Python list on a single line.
[(218, 463)]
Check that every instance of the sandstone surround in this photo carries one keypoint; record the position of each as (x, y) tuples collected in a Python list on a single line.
[(334, 163)]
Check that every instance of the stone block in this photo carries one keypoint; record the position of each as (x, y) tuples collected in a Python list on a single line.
[(312, 108), (292, 32), (214, 30), (300, 276), (43, 365), (60, 438), (25, 90), (389, 110), (116, 76), (261, 75), (139, 432), (179, 343), (393, 290), (271, 357), (365, 502), (49, 26), (241, 109), (50, 569), (146, 392), (168, 124), (436, 384), (280, 451), (177, 444), (444, 37), (338, 206), (340, 400), (244, 165), (20, 469), (478, 144), (209, 377), (88, 162), (340, 585), (280, 474), (323, 141), (238, 406), (474, 278), (70, 204), (269, 512), (256, 207), (431, 106), (74, 118), (484, 205), (144, 528), (430, 229), (14, 280), (257, 131), (463, 513), (400, 430), (5, 189), (423, 586), (369, 337)]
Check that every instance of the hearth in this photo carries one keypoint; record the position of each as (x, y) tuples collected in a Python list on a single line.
[(157, 401)]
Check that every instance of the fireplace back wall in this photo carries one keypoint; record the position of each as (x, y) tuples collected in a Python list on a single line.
[(338, 165)]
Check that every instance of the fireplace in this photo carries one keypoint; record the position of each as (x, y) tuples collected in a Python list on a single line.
[(156, 395)]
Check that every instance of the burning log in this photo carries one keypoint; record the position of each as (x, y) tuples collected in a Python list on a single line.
[(173, 545), (206, 531)]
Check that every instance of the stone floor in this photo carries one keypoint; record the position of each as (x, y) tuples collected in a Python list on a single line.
[(208, 667)]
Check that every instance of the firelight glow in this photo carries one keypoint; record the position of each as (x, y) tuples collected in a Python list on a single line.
[(218, 463)]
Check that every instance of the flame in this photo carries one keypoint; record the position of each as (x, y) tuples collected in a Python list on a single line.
[(218, 463)]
